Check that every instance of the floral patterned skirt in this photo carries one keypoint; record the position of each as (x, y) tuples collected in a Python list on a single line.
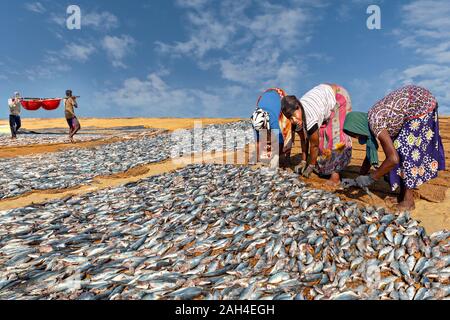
[(335, 147), (419, 146)]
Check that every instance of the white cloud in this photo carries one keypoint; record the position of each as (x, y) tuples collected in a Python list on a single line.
[(343, 12), (428, 14), (118, 48), (375, 87), (253, 44), (313, 3), (100, 20), (262, 72), (270, 61), (35, 7), (432, 76), (56, 63), (210, 34), (212, 29), (426, 33), (280, 26), (58, 19), (49, 68), (46, 71), (191, 3), (153, 96), (78, 52)]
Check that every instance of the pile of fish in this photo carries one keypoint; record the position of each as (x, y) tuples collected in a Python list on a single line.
[(59, 135), (76, 167), (218, 232), (39, 139)]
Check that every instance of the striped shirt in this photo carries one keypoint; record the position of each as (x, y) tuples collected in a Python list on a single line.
[(318, 104)]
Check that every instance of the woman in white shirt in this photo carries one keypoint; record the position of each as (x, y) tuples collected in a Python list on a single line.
[(321, 113)]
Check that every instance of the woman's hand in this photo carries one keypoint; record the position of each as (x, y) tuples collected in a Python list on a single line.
[(392, 158), (307, 172), (364, 181), (301, 167)]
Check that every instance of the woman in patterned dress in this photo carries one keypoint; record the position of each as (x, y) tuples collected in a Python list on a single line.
[(407, 126), (321, 114)]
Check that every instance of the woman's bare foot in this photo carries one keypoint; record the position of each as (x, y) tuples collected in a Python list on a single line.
[(391, 201), (406, 206), (333, 184), (334, 181)]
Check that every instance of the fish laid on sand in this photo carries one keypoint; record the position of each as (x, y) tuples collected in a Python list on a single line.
[(40, 139), (218, 232), (59, 136), (75, 167)]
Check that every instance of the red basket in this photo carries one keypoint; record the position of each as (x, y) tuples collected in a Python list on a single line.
[(51, 104), (31, 105)]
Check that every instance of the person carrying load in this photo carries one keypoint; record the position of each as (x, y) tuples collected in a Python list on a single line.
[(70, 102), (14, 114)]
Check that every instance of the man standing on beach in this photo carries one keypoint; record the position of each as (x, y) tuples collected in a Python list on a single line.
[(69, 103), (14, 114)]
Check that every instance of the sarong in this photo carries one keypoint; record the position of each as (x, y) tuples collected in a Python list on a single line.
[(335, 147), (73, 123), (14, 124), (419, 146)]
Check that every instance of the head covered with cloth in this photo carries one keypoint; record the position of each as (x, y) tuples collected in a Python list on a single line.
[(357, 125)]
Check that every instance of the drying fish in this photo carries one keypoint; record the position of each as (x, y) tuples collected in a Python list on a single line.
[(217, 232), (75, 167)]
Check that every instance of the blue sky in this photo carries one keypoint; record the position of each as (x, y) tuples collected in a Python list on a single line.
[(199, 58)]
